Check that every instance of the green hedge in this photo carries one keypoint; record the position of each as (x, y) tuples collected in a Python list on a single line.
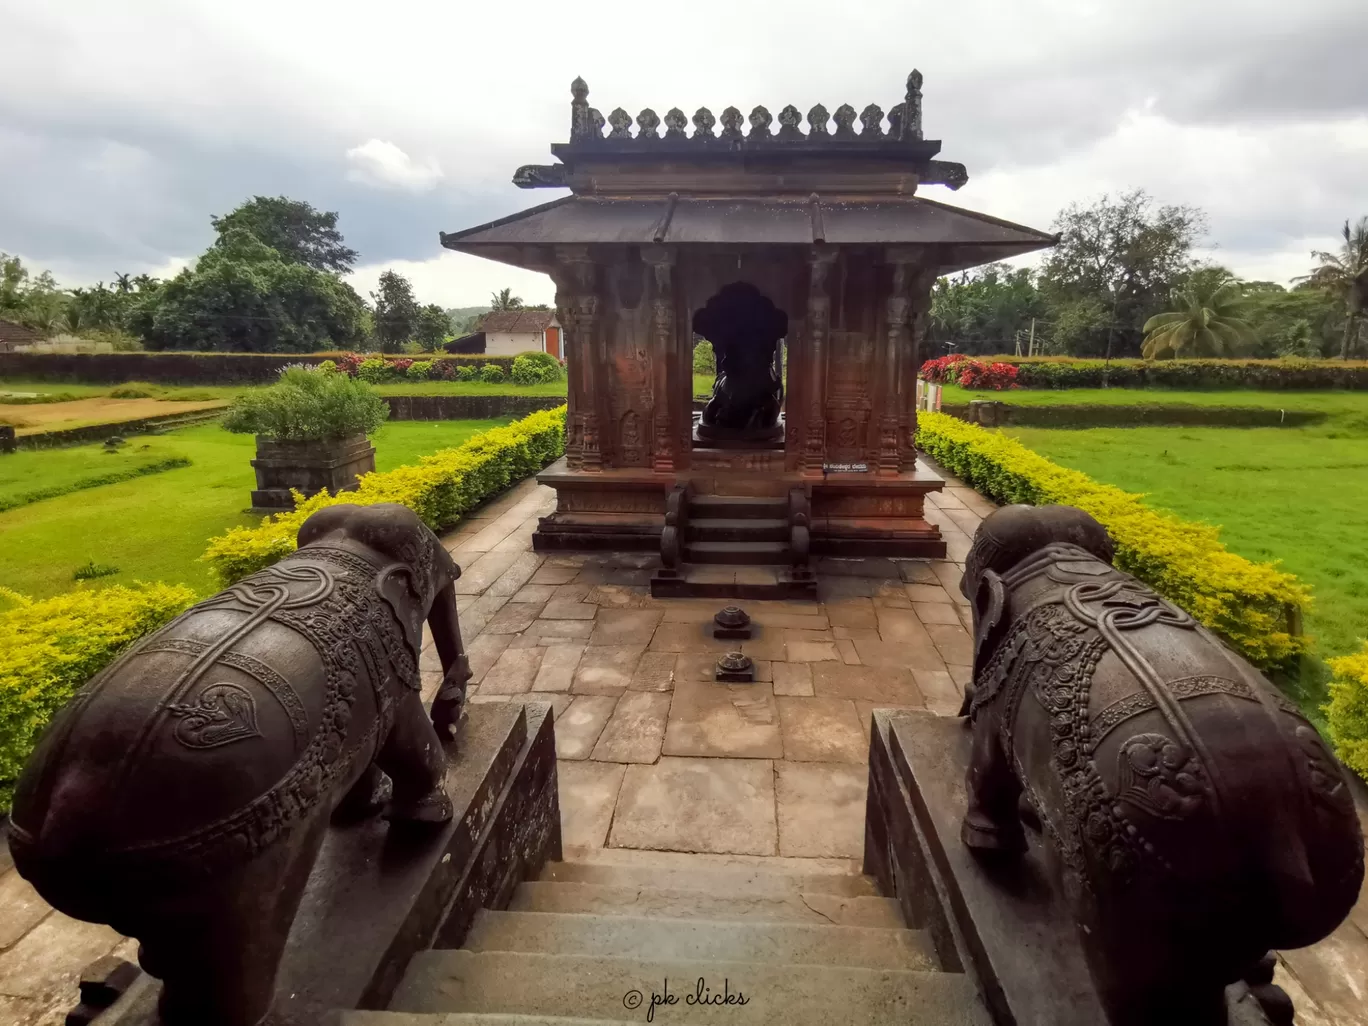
[(1268, 375), (50, 648), (439, 488), (184, 368), (1347, 712), (1153, 414), (1255, 606)]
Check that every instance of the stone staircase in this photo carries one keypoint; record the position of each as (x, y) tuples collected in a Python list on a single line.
[(736, 546), (592, 943)]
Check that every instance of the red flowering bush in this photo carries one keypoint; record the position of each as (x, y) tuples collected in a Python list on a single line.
[(991, 377), (349, 363), (943, 370), (444, 370), (401, 366)]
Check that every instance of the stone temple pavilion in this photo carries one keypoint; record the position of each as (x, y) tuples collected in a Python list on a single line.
[(748, 236)]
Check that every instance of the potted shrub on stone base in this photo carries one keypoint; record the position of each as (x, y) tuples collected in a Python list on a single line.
[(311, 429)]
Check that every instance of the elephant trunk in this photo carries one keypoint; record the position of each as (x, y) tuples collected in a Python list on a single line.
[(446, 635)]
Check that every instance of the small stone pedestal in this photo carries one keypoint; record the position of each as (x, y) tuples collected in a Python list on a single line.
[(376, 898), (1007, 925), (308, 467)]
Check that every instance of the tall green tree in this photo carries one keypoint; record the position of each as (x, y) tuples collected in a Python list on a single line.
[(1344, 275), (396, 311), (432, 327), (32, 299), (1207, 319), (505, 300), (241, 296), (294, 229), (981, 311), (1125, 255)]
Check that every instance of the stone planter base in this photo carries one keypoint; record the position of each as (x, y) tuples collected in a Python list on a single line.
[(309, 467)]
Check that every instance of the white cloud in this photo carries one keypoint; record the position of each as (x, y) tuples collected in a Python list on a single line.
[(382, 164), (458, 279)]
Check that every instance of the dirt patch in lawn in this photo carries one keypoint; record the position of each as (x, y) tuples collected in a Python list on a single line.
[(83, 412)]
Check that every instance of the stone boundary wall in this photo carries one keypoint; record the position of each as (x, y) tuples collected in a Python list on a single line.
[(99, 432), (468, 407)]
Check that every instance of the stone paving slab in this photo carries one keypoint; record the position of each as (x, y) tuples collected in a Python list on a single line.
[(661, 765)]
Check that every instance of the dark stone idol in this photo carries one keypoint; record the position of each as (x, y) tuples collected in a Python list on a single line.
[(183, 795), (744, 328), (1198, 819)]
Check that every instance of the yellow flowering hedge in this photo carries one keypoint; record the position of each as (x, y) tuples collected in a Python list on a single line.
[(439, 488), (50, 647), (1347, 711), (1255, 606)]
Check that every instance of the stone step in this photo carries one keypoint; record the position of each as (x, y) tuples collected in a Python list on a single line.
[(700, 940), (604, 988), (363, 1018), (759, 553), (726, 506), (739, 529), (813, 908), (742, 883)]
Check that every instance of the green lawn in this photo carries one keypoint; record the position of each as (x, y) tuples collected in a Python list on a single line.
[(45, 472), (156, 527), (1296, 495)]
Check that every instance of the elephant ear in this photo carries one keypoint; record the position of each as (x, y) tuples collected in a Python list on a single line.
[(990, 601), (396, 584)]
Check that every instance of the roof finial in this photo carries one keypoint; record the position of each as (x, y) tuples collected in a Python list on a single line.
[(911, 124), (580, 127)]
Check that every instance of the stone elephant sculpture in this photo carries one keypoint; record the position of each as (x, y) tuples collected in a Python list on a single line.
[(1196, 817), (183, 794)]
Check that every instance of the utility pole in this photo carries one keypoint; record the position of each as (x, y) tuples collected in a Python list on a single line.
[(1030, 348)]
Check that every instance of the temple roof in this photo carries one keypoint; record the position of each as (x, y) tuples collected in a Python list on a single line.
[(965, 238)]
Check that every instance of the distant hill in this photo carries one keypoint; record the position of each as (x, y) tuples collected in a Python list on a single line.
[(464, 318)]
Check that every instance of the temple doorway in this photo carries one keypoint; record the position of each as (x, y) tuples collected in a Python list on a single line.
[(745, 328)]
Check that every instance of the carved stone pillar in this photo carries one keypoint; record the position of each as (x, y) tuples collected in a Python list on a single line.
[(577, 305), (663, 329), (919, 314), (894, 353), (818, 329)]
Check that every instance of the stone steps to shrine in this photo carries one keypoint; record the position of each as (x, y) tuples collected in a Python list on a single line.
[(737, 507), (743, 530), (592, 942), (737, 553)]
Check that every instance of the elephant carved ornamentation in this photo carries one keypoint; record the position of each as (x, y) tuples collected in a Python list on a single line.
[(183, 795), (1197, 818)]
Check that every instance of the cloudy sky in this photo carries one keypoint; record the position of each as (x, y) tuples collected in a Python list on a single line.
[(124, 126)]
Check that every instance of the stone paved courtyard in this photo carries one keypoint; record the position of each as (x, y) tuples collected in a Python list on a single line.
[(655, 759)]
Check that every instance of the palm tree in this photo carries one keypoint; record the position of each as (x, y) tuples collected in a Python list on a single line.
[(505, 300), (1207, 318), (1345, 276)]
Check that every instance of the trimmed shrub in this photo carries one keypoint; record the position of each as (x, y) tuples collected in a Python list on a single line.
[(50, 648), (439, 488), (466, 372), (943, 370), (1347, 711), (328, 367), (1269, 375), (187, 368), (134, 390), (491, 374), (373, 370), (419, 370), (535, 369), (307, 405), (704, 358), (1254, 606), (993, 377)]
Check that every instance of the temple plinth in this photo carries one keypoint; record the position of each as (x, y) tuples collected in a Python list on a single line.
[(748, 235)]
